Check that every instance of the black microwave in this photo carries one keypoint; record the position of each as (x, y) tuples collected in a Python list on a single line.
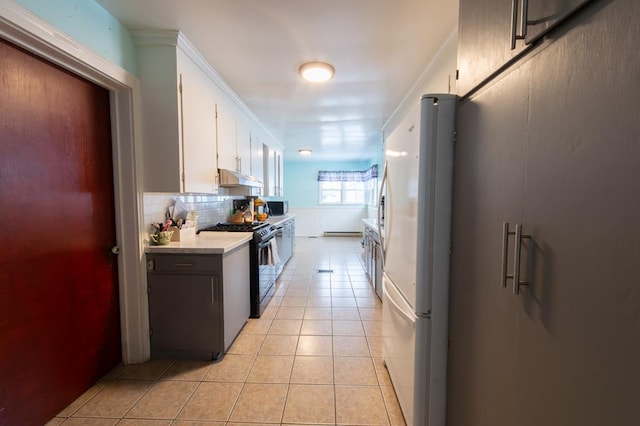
[(278, 208)]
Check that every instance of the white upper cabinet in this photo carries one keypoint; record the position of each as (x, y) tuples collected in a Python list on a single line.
[(273, 172), (279, 174), (178, 116), (227, 135), (269, 170), (198, 128), (243, 147), (234, 140), (193, 123), (256, 155)]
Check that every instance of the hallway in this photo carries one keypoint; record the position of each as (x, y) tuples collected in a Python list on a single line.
[(314, 357)]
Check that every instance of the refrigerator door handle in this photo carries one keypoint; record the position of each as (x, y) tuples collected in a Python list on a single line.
[(395, 305), (384, 181)]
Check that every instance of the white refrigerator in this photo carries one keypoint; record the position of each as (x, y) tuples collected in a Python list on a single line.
[(418, 183)]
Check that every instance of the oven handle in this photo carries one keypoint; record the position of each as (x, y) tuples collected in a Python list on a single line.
[(264, 243)]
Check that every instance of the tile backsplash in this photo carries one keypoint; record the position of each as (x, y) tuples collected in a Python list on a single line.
[(211, 209)]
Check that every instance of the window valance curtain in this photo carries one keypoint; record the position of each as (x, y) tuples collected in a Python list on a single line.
[(348, 176)]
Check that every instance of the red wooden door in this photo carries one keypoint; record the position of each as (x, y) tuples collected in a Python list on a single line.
[(59, 308)]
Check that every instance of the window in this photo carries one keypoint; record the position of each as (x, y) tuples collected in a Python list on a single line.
[(347, 187)]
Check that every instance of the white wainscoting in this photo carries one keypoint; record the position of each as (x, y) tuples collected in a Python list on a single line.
[(315, 221)]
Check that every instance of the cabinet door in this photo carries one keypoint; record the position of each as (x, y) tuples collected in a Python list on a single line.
[(162, 146), (293, 236), (226, 137), (484, 41), (243, 148), (488, 181), (579, 332), (279, 164), (270, 171), (289, 242), (257, 166), (197, 128), (185, 316), (545, 14)]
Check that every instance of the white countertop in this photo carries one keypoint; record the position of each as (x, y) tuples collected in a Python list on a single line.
[(205, 243), (371, 223), (277, 220)]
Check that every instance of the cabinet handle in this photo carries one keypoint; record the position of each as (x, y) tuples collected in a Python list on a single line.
[(514, 23), (516, 257), (183, 264), (213, 289), (505, 248), (524, 19), (519, 32)]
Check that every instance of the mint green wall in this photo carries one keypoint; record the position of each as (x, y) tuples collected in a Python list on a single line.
[(90, 24), (301, 179)]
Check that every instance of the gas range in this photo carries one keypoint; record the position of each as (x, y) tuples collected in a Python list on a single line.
[(261, 230), (236, 227)]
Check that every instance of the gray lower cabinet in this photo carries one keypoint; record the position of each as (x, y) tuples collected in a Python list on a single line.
[(379, 262), (198, 303), (373, 259)]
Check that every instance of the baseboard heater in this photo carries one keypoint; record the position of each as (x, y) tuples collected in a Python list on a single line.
[(342, 234)]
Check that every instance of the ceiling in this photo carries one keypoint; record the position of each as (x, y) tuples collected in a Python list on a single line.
[(379, 49)]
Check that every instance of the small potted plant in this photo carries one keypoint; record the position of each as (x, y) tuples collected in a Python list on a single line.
[(161, 234)]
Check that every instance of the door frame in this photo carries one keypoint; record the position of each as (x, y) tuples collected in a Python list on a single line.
[(28, 31)]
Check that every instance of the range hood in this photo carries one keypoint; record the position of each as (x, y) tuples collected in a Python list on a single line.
[(235, 179)]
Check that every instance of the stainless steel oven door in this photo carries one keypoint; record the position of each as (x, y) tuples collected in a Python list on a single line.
[(268, 267)]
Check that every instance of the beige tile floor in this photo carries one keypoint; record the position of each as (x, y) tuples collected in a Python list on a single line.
[(313, 358)]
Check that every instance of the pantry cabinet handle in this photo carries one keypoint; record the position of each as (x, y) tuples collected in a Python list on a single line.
[(519, 29), (516, 260), (514, 22), (518, 237), (505, 248), (524, 11)]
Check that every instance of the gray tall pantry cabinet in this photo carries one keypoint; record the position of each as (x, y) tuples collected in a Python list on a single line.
[(551, 144)]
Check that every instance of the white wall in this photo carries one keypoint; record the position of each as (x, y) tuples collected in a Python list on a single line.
[(315, 221), (438, 77)]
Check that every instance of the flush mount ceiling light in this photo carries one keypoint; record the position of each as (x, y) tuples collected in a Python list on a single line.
[(316, 72), (304, 151)]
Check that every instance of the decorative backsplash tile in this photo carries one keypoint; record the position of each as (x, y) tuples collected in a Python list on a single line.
[(211, 209)]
